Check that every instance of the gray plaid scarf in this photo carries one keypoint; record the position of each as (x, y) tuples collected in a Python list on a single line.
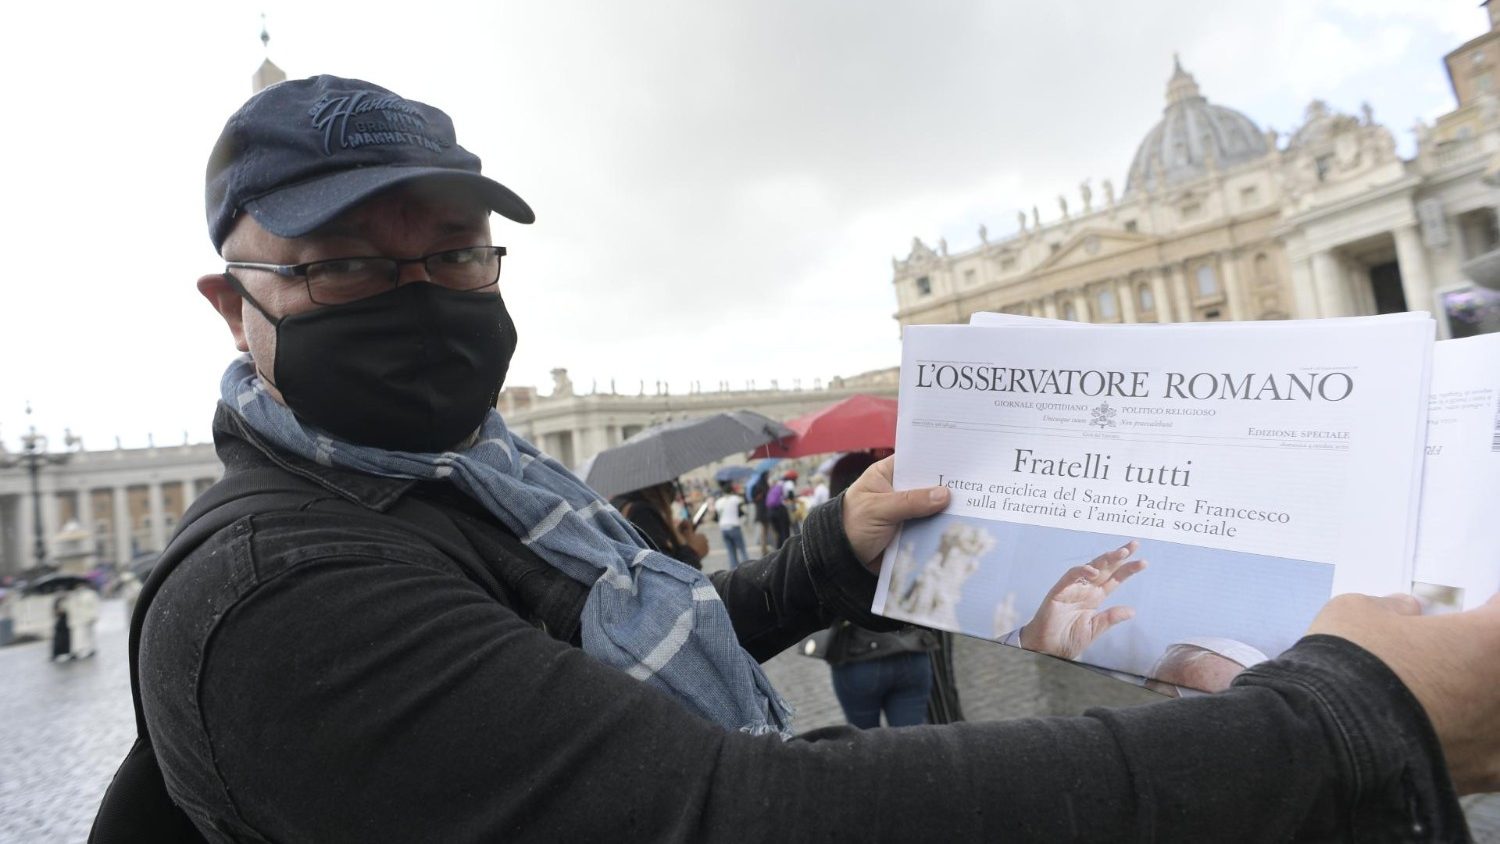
[(648, 615)]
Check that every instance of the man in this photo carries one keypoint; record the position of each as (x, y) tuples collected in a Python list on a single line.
[(431, 631), (819, 493)]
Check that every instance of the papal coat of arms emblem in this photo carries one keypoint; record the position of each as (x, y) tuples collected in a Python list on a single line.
[(1104, 416)]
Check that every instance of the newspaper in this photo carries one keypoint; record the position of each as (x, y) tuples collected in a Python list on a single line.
[(1456, 565), (1457, 559), (1136, 499)]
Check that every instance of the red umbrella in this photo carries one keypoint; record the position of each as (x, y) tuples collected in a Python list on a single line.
[(854, 424)]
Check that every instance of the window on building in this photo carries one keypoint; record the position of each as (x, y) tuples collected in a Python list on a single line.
[(1249, 197), (1208, 282), (1055, 247), (1148, 301), (1007, 264), (1323, 164), (1130, 225), (924, 286), (1106, 303), (1484, 82), (1068, 311), (969, 278), (1192, 210)]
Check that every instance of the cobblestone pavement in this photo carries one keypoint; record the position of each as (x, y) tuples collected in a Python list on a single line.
[(64, 728)]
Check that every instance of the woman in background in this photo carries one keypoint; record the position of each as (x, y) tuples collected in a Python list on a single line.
[(878, 673), (650, 510)]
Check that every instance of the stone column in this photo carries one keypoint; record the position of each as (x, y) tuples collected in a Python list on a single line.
[(190, 489), (9, 563), (1304, 297), (1159, 293), (1234, 293), (1416, 283), (1049, 307), (1125, 293), (1183, 306), (1081, 304), (158, 529), (85, 510), (1328, 280), (49, 512), (122, 524), (1359, 296)]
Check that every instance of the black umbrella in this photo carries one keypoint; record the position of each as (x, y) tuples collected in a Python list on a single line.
[(661, 453), (55, 583)]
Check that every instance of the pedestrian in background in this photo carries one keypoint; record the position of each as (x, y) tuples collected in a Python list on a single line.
[(728, 509), (759, 486), (130, 591), (652, 512), (83, 613), (789, 502), (62, 638), (777, 515), (820, 493), (878, 673)]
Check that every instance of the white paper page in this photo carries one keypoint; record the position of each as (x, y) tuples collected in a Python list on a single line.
[(990, 318), (1252, 512), (1458, 561), (1266, 329)]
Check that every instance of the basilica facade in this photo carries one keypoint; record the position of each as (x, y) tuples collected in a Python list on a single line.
[(1222, 220)]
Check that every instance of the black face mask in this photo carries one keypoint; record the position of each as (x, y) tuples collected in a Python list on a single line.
[(413, 369)]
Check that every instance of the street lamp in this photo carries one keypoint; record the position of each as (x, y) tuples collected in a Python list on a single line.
[(34, 456)]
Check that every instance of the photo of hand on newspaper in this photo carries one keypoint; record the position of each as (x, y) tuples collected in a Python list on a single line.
[(1189, 618)]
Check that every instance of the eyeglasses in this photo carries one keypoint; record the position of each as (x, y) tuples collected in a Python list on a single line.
[(339, 281)]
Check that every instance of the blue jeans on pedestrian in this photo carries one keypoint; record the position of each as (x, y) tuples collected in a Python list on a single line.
[(898, 685), (734, 543)]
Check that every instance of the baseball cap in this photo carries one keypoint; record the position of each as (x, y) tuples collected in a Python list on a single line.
[(300, 153)]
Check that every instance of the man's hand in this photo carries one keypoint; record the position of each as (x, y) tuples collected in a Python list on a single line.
[(1067, 622), (1451, 663), (873, 509)]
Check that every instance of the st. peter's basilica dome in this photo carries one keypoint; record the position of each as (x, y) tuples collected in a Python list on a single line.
[(1192, 136)]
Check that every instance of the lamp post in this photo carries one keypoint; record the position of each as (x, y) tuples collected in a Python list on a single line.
[(34, 456)]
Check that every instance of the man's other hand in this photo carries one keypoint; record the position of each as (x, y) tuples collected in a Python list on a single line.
[(1449, 662), (873, 509)]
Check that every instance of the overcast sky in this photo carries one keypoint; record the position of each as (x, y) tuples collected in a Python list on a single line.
[(719, 186)]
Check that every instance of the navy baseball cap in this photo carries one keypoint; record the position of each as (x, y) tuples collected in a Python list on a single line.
[(302, 152)]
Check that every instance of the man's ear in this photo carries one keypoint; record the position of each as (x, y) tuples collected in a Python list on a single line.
[(228, 302)]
